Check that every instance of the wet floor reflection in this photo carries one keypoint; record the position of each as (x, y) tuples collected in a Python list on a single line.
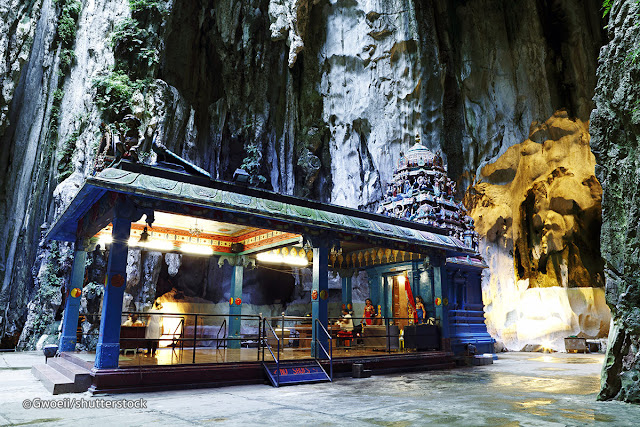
[(552, 359), (516, 391)]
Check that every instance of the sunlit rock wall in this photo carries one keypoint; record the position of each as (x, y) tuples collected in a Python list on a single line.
[(615, 127), (538, 211)]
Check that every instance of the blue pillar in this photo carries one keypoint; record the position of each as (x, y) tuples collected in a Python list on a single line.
[(235, 309), (72, 304), (441, 291), (414, 277), (108, 347), (319, 304), (346, 290), (374, 287), (388, 301)]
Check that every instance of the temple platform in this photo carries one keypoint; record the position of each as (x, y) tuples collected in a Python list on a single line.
[(173, 370)]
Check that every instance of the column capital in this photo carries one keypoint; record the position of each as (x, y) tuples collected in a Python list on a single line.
[(322, 241), (127, 209), (237, 261), (345, 272), (82, 244)]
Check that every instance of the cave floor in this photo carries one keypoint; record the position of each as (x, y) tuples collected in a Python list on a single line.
[(519, 389)]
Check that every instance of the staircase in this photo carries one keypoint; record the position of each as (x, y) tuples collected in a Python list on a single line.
[(468, 327), (300, 371), (64, 374)]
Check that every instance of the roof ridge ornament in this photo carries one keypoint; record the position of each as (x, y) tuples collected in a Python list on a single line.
[(169, 157)]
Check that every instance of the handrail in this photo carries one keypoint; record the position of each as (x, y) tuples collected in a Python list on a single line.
[(330, 354), (222, 327), (162, 313), (177, 341), (266, 342)]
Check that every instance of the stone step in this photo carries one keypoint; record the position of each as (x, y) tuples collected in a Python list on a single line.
[(54, 381), (80, 375), (77, 360)]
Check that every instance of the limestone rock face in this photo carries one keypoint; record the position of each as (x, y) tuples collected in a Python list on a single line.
[(320, 97), (615, 127), (538, 210), (17, 31), (29, 192)]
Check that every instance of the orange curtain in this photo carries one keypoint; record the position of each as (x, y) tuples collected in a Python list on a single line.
[(412, 301)]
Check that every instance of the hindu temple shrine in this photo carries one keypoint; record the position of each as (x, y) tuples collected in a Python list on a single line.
[(420, 305)]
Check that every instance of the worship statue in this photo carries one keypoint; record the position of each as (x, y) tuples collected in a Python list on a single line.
[(437, 160), (130, 141)]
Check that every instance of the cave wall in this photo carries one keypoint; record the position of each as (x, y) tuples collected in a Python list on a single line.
[(538, 212), (615, 129), (318, 97)]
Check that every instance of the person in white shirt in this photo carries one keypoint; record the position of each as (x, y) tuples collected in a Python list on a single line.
[(154, 329), (346, 323)]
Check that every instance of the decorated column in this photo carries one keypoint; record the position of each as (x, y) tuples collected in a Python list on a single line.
[(235, 306), (414, 278), (239, 263), (319, 300), (73, 293), (388, 301), (108, 347), (374, 286), (440, 298), (346, 275)]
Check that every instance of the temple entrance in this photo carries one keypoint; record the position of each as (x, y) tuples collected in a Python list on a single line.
[(400, 303)]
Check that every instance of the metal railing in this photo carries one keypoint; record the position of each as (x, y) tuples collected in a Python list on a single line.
[(206, 337), (223, 328), (265, 324), (197, 332), (319, 343)]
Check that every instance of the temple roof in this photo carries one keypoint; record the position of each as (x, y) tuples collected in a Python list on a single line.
[(176, 192)]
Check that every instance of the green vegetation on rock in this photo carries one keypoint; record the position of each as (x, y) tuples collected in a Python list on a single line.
[(113, 94), (615, 132), (66, 32), (47, 298), (135, 42)]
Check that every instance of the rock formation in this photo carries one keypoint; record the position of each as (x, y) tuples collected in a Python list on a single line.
[(615, 126), (538, 209), (324, 116)]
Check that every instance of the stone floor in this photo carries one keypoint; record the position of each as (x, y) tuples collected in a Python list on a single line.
[(520, 389)]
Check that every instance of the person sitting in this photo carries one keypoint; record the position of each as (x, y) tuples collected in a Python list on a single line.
[(135, 321), (345, 334), (132, 320), (346, 323)]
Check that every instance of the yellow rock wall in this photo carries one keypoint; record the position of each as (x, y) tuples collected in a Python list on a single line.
[(538, 212)]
